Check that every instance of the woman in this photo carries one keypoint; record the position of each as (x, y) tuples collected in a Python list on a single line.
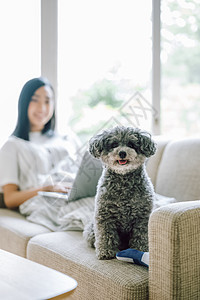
[(34, 149)]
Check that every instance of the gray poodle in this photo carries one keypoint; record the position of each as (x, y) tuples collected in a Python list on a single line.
[(125, 193)]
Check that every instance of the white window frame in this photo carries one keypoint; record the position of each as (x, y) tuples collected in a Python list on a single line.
[(49, 51), (156, 74), (49, 41)]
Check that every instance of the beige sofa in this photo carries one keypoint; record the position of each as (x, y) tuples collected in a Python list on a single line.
[(174, 239)]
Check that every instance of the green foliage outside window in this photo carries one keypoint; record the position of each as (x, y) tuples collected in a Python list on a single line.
[(180, 77), (180, 67), (93, 107)]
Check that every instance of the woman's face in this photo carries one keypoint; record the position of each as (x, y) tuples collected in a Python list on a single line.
[(41, 108)]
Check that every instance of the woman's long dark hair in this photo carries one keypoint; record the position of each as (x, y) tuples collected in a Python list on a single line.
[(23, 125)]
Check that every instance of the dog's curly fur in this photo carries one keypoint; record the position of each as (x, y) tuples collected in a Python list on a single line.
[(125, 193)]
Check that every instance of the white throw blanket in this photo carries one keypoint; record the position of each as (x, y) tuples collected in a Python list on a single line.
[(58, 214)]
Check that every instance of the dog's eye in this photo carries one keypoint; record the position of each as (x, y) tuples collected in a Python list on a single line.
[(131, 145), (114, 145)]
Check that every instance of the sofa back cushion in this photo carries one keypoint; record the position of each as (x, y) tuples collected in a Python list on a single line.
[(178, 174), (154, 161)]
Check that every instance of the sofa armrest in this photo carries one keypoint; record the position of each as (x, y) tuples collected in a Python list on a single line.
[(174, 250)]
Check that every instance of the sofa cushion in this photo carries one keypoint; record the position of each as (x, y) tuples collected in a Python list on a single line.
[(15, 231), (154, 161), (110, 279), (179, 170)]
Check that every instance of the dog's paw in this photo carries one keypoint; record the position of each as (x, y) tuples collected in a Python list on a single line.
[(103, 255)]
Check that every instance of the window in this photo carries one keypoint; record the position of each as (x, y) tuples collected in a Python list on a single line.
[(104, 57), (20, 55), (180, 57)]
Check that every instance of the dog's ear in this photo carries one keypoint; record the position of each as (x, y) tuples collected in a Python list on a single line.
[(96, 146), (146, 144)]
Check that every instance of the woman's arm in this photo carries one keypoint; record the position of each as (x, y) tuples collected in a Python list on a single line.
[(13, 197)]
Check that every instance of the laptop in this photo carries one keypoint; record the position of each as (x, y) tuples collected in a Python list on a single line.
[(85, 182)]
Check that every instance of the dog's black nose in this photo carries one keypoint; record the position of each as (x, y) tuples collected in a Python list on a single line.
[(122, 154)]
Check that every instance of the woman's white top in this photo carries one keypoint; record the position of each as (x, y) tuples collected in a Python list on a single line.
[(30, 163)]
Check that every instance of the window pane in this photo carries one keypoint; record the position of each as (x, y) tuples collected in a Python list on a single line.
[(19, 55), (180, 67), (104, 57)]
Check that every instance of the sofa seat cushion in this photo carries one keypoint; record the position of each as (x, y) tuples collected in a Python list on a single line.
[(15, 231), (178, 173), (67, 252)]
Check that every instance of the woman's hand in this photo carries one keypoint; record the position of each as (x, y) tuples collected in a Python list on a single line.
[(63, 187), (13, 197)]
